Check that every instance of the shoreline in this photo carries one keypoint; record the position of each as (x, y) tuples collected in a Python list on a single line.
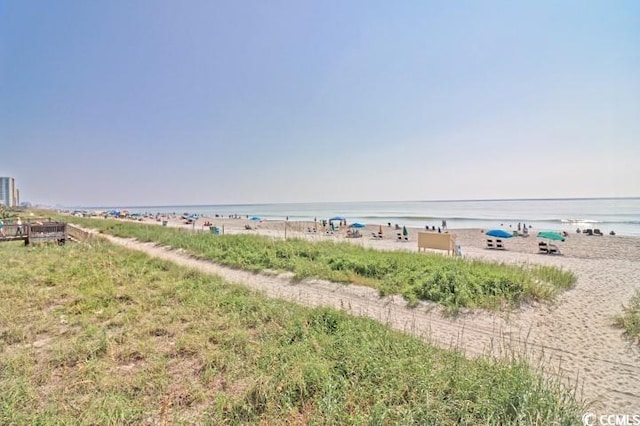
[(471, 240), (621, 215)]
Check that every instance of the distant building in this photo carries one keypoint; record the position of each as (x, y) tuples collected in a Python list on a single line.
[(8, 193)]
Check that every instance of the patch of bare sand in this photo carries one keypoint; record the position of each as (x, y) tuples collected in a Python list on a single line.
[(573, 337)]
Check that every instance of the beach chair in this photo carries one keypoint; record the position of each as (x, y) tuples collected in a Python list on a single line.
[(553, 249), (543, 247), (499, 245), (490, 244)]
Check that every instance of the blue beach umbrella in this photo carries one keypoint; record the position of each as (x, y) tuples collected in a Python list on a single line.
[(357, 225), (499, 233), (255, 218), (341, 218)]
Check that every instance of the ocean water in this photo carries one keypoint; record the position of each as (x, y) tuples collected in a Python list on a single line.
[(621, 215)]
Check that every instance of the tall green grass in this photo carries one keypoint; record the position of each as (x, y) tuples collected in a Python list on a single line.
[(630, 318), (95, 334), (452, 282)]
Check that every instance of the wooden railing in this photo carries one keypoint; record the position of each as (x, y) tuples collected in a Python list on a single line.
[(46, 231), (12, 230), (35, 231)]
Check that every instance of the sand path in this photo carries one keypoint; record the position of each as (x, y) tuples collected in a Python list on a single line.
[(573, 336)]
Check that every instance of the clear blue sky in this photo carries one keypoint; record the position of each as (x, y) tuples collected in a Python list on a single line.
[(153, 102)]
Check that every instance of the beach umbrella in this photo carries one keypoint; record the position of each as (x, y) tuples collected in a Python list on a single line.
[(380, 230), (357, 225), (499, 233), (549, 235), (340, 218), (404, 231), (255, 218)]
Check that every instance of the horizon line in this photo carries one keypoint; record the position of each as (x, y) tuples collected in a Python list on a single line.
[(368, 201)]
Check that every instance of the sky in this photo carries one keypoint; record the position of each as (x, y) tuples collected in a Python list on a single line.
[(153, 102)]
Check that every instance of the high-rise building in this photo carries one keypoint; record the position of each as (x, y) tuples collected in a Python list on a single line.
[(8, 192)]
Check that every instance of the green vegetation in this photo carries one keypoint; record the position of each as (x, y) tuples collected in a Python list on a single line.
[(451, 282), (7, 213), (96, 334), (630, 319)]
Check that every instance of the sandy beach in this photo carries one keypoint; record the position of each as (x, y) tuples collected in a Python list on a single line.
[(573, 338)]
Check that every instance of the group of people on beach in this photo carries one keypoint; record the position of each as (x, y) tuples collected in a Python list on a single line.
[(433, 228), (524, 229)]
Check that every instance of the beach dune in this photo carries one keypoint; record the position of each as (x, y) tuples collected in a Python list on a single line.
[(573, 337)]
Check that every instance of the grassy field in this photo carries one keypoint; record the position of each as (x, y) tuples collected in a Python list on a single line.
[(451, 282), (630, 319), (95, 334)]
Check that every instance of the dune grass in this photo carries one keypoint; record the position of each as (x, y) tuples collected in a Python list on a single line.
[(95, 334), (630, 318), (451, 282)]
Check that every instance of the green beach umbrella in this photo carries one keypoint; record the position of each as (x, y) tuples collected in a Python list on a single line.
[(550, 236)]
